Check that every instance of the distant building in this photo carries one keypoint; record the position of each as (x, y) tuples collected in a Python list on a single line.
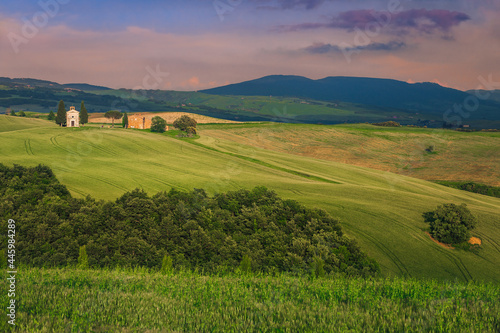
[(72, 118), (139, 121)]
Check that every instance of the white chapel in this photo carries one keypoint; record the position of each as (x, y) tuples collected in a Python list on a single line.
[(72, 118)]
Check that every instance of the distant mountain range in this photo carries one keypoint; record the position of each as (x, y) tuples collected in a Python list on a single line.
[(49, 84), (417, 97), (284, 98)]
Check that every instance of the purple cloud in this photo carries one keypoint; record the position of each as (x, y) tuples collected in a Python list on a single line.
[(322, 48), (290, 4), (307, 4), (421, 20)]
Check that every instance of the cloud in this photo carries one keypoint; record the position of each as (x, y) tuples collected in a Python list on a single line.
[(321, 48), (307, 4), (421, 20), (192, 83), (290, 4)]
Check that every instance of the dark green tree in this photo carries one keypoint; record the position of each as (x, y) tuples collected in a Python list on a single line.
[(318, 267), (13, 113), (51, 116), (84, 116), (245, 265), (21, 114), (113, 114), (83, 259), (3, 259), (61, 114), (158, 124), (125, 120), (451, 224), (166, 265), (184, 123)]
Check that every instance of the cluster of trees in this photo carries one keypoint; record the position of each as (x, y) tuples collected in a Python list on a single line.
[(451, 223), (60, 117), (19, 114), (388, 124), (247, 230), (492, 191), (186, 124)]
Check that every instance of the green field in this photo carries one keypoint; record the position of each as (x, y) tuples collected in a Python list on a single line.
[(456, 156), (69, 300), (382, 210)]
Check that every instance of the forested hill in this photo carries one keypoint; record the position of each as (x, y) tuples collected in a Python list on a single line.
[(255, 229)]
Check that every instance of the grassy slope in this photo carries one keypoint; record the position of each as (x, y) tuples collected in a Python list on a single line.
[(382, 210), (8, 123), (457, 156), (66, 300)]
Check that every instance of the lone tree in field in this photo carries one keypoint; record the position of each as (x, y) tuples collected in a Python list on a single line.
[(61, 113), (84, 116), (451, 223), (158, 124), (125, 120), (184, 123), (51, 116), (113, 114), (13, 113)]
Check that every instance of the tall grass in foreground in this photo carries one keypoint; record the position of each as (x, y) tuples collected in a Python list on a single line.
[(68, 300)]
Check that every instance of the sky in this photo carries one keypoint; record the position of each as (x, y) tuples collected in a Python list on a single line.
[(199, 44)]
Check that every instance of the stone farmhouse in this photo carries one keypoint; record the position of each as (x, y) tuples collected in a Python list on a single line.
[(72, 118), (139, 121)]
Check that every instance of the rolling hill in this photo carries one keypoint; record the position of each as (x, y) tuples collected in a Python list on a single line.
[(382, 210), (456, 156), (418, 97), (277, 98)]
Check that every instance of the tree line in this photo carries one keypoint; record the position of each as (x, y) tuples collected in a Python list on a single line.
[(253, 230)]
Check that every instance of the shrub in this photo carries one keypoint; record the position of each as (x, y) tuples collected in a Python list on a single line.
[(51, 115), (184, 123), (167, 265), (388, 124), (318, 268), (83, 259), (246, 265), (451, 224), (158, 124)]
